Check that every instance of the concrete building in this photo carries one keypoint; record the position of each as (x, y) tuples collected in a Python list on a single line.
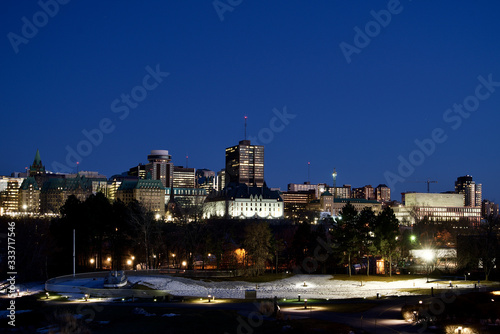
[(470, 189), (365, 192), (432, 199), (341, 192), (9, 197), (382, 193), (206, 179), (221, 180), (435, 207), (184, 177), (159, 167), (489, 208), (334, 205)]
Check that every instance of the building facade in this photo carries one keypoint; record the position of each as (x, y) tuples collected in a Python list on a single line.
[(239, 201), (435, 207), (471, 190), (29, 196), (184, 177), (365, 192), (245, 164), (150, 193), (382, 193), (55, 192), (206, 179)]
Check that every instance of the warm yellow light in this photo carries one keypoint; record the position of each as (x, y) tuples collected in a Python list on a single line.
[(133, 257), (108, 259), (92, 261), (129, 262), (173, 255)]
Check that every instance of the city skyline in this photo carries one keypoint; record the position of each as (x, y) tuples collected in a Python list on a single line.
[(356, 87), (132, 172)]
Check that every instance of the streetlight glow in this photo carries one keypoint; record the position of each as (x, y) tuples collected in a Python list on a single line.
[(428, 255)]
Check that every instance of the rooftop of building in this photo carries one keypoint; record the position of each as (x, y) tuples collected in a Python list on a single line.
[(241, 190), (141, 184)]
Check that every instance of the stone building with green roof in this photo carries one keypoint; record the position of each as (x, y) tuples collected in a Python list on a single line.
[(150, 193), (29, 196), (56, 191)]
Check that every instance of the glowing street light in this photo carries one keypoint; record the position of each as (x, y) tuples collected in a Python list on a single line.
[(428, 256)]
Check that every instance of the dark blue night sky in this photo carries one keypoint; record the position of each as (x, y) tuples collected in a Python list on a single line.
[(181, 75)]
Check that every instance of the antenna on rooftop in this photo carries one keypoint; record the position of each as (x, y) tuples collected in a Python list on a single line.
[(187, 158), (245, 127)]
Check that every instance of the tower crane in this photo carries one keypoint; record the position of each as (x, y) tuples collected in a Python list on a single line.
[(429, 181)]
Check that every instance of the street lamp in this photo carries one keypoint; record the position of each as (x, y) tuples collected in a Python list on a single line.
[(428, 256)]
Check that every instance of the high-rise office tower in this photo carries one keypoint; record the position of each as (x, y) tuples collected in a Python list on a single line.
[(206, 179), (382, 193), (160, 167), (471, 190), (184, 177), (245, 164)]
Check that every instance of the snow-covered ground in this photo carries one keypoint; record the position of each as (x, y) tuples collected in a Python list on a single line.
[(316, 286), (308, 286)]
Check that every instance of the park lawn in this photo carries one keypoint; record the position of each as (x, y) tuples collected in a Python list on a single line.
[(375, 278), (250, 279)]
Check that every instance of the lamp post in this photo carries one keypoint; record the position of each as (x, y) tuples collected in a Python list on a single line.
[(428, 256)]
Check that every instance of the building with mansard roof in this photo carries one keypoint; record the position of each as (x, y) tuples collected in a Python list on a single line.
[(29, 196), (240, 201), (150, 193)]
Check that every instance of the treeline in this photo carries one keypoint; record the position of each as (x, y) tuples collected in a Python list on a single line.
[(118, 236)]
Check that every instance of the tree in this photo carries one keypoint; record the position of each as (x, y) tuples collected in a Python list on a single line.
[(145, 226), (258, 245), (489, 247), (366, 223), (346, 234), (386, 233)]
